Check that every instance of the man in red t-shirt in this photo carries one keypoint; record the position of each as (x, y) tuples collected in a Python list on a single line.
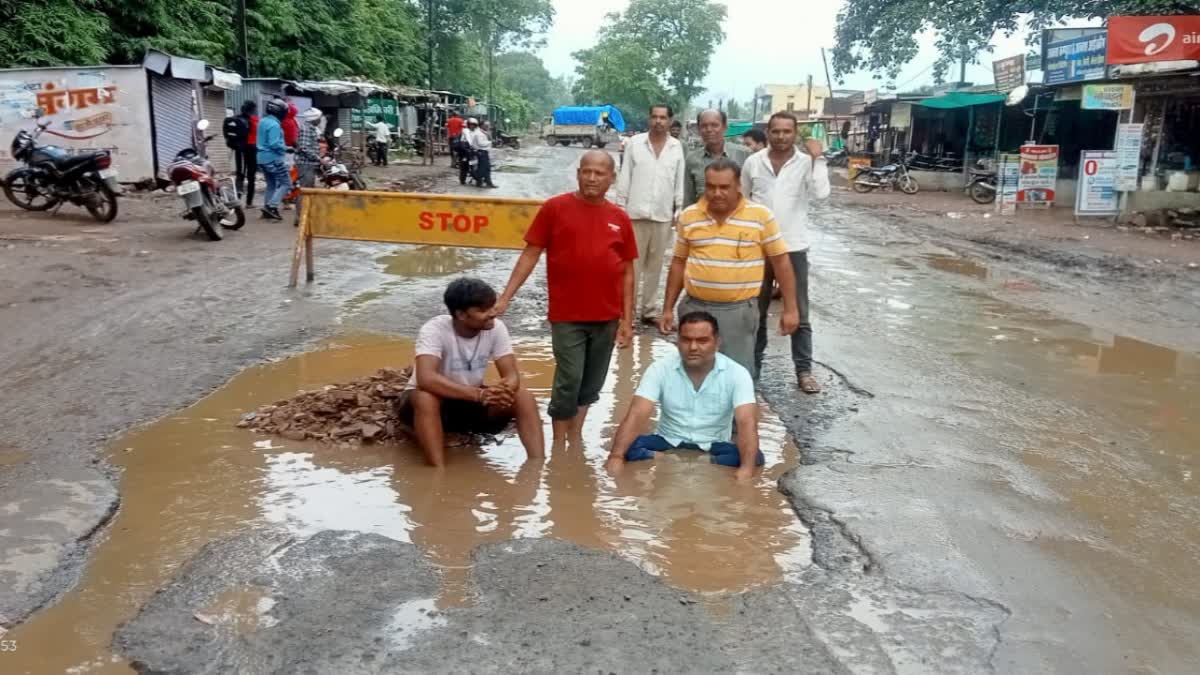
[(589, 247)]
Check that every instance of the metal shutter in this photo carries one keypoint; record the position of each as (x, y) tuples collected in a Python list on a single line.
[(213, 109), (173, 110)]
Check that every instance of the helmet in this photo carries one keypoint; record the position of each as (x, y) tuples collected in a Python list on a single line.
[(276, 108), (472, 120)]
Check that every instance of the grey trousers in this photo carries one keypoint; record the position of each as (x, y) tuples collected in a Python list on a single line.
[(737, 321), (802, 339)]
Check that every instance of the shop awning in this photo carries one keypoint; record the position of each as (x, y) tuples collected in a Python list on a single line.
[(959, 99)]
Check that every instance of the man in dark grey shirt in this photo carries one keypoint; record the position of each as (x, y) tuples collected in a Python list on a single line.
[(712, 125)]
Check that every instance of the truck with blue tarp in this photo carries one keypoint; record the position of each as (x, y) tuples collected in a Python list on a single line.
[(591, 126)]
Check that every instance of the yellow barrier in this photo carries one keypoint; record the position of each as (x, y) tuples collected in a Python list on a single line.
[(409, 218)]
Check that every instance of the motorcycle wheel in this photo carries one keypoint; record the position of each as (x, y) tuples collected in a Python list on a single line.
[(103, 206), (861, 187), (239, 219), (981, 194), (25, 189), (204, 218), (357, 183), (908, 185), (516, 145)]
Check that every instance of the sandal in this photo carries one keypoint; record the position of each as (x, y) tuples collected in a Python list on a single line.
[(808, 383)]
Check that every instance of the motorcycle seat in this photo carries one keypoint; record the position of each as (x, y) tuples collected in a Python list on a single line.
[(68, 162)]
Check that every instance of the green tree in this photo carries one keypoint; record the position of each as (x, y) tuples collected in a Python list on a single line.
[(657, 51), (883, 35), (195, 28), (52, 32)]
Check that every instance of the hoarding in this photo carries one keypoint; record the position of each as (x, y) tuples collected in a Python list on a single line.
[(1107, 97), (1144, 39), (1009, 73), (1008, 177), (1128, 147), (1075, 59), (1097, 193), (1039, 175)]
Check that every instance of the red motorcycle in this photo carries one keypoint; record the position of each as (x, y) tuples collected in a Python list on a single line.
[(210, 203)]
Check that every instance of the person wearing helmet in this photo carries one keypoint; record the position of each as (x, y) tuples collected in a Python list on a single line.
[(271, 153), (481, 144), (308, 151)]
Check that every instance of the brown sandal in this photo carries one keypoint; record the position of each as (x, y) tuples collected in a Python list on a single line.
[(808, 383)]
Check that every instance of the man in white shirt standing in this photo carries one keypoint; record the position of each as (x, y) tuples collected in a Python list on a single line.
[(481, 144), (785, 180), (383, 140), (650, 189)]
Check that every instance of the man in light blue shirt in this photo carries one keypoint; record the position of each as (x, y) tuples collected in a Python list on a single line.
[(701, 393), (271, 153)]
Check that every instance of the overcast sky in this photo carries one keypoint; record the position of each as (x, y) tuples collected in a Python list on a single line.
[(766, 41)]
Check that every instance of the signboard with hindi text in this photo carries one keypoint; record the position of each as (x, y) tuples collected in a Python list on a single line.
[(1107, 97), (1097, 193), (1129, 156), (1009, 73), (1075, 59), (1039, 175)]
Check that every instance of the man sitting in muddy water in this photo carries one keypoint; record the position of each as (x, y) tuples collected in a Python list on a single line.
[(590, 249), (446, 391), (701, 393)]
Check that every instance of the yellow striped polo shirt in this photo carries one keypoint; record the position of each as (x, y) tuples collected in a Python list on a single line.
[(726, 259)]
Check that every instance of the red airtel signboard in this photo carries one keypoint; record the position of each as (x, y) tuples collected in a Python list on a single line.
[(1141, 39)]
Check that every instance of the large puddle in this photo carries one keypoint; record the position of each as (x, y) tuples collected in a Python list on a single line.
[(193, 477)]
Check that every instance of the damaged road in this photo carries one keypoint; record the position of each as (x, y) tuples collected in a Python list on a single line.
[(998, 477)]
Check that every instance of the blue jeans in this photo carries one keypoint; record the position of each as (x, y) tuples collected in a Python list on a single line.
[(725, 454), (278, 183)]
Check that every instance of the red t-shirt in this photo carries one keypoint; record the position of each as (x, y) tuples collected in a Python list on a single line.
[(454, 127), (586, 246)]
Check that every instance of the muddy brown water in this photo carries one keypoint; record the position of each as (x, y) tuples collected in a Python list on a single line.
[(193, 477)]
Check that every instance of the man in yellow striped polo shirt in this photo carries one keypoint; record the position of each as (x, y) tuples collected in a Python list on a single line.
[(722, 246)]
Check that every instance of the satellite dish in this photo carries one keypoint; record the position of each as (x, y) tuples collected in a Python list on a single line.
[(1017, 95)]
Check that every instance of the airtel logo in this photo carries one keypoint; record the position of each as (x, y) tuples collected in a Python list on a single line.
[(1151, 35)]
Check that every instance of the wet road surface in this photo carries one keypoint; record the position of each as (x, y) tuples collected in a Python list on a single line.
[(985, 485)]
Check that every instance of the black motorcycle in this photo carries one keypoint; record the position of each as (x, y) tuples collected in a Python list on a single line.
[(982, 187), (53, 176), (837, 157), (894, 175)]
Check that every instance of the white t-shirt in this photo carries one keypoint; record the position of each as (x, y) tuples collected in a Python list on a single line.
[(382, 132), (464, 360)]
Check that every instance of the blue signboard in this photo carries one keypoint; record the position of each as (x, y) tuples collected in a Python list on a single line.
[(1075, 59)]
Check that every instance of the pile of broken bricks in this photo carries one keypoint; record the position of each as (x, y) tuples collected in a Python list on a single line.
[(362, 411)]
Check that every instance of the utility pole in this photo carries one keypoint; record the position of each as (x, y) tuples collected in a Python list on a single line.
[(243, 49), (829, 82), (962, 68), (430, 109), (808, 106), (429, 42)]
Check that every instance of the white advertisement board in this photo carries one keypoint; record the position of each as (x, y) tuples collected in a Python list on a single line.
[(102, 108), (1097, 194), (1129, 156)]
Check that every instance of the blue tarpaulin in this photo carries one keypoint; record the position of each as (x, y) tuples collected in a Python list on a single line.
[(590, 114)]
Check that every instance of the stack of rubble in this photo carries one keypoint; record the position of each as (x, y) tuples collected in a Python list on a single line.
[(1182, 223), (362, 411)]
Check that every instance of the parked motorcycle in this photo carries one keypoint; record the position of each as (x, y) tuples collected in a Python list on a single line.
[(334, 174), (52, 176), (209, 202), (982, 187), (837, 157), (894, 175), (377, 152), (508, 140)]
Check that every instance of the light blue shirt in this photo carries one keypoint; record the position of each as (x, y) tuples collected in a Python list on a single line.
[(270, 140), (688, 415)]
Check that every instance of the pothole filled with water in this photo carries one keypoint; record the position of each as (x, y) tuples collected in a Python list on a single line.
[(193, 477)]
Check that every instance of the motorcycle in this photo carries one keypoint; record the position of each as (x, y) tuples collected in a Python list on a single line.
[(52, 176), (377, 152), (982, 187), (837, 157), (508, 140), (894, 175), (209, 202), (334, 174)]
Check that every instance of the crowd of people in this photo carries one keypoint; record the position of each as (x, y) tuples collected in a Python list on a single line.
[(735, 222), (470, 150)]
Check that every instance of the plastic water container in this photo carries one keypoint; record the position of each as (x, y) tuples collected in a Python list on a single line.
[(1177, 181)]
